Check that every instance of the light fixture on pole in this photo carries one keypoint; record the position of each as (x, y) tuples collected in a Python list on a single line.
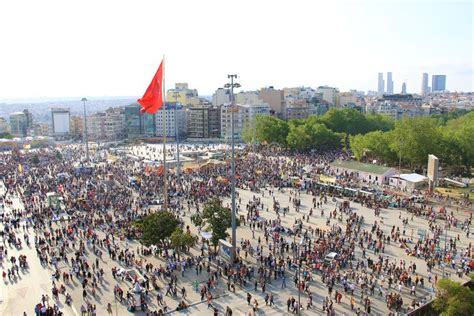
[(84, 100), (233, 109), (176, 94)]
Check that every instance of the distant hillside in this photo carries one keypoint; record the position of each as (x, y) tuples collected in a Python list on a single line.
[(42, 113)]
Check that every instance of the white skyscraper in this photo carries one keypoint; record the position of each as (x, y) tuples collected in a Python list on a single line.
[(424, 84), (381, 84), (389, 83)]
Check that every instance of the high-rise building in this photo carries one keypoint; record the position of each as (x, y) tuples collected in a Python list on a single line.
[(404, 88), (107, 126), (329, 94), (204, 122), (29, 119), (175, 115), (4, 126), (41, 129), (184, 95), (424, 84), (389, 83), (138, 124), (133, 121), (61, 118), (381, 84), (296, 109), (349, 99), (77, 127), (438, 83), (275, 98), (299, 93), (244, 116), (18, 124), (220, 97)]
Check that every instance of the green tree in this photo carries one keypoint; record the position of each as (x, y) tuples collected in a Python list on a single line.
[(6, 135), (415, 138), (373, 145), (323, 138), (157, 227), (219, 219), (349, 121), (247, 133), (460, 131), (379, 122), (453, 299), (268, 129), (312, 135), (182, 241), (443, 119), (299, 137)]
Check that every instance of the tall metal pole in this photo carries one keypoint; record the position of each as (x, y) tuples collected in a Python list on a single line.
[(254, 123), (445, 244), (84, 100), (399, 165), (176, 131), (234, 221), (299, 289), (165, 169), (299, 274)]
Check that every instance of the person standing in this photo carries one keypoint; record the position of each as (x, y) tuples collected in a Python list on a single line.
[(283, 282)]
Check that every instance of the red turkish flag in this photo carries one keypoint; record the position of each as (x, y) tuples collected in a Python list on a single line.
[(152, 100), (160, 171)]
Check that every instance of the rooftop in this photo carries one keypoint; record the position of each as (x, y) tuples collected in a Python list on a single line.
[(359, 166), (412, 177)]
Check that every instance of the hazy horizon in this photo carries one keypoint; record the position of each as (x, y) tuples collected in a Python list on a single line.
[(59, 49)]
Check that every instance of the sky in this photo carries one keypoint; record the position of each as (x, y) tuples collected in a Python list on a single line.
[(68, 48)]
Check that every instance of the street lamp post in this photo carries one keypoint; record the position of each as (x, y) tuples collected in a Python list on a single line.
[(233, 109), (299, 273), (176, 131), (84, 100), (254, 136), (445, 245)]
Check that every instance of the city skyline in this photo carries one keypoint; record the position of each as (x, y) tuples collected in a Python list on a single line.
[(94, 53)]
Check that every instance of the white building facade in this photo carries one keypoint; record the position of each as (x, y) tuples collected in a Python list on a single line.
[(329, 94), (244, 115), (220, 97), (176, 121)]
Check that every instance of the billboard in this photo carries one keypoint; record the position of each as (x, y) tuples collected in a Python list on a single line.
[(61, 122)]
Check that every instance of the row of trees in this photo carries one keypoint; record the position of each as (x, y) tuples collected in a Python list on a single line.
[(316, 132), (413, 139), (374, 136)]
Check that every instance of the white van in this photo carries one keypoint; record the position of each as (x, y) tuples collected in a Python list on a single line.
[(330, 257)]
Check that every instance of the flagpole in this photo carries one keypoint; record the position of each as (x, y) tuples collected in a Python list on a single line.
[(165, 169)]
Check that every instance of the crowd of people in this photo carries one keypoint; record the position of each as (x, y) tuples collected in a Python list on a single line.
[(88, 221)]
